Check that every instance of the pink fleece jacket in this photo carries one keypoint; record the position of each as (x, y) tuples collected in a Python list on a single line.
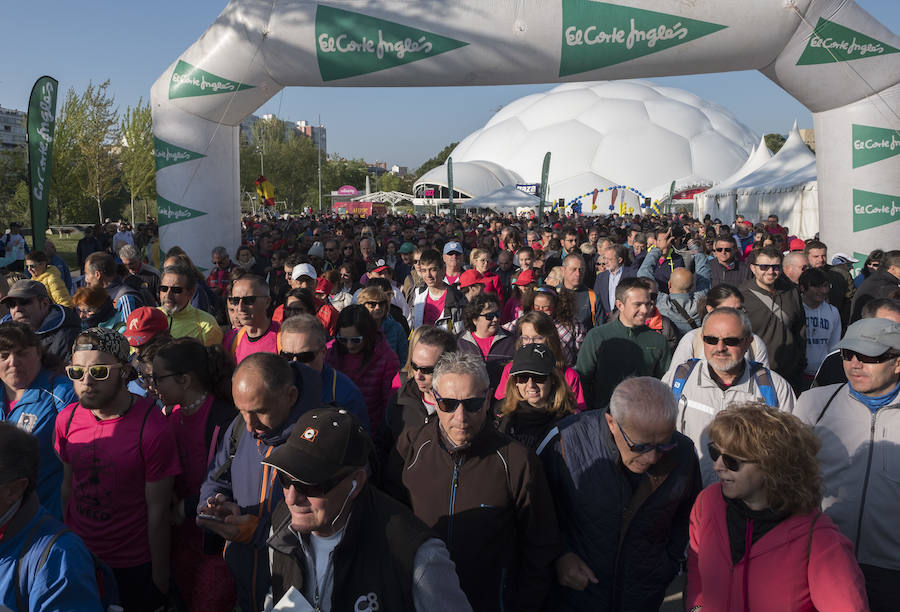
[(798, 566)]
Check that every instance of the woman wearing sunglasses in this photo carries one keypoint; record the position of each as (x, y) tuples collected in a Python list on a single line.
[(537, 396), (537, 328), (484, 337), (361, 352), (378, 303), (757, 539), (95, 309), (194, 384)]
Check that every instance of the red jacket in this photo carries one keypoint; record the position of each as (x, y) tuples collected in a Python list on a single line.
[(797, 566), (373, 377)]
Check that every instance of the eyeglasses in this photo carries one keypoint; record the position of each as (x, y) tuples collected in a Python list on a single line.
[(539, 379), (303, 357), (172, 288), (470, 404), (767, 267), (426, 370), (732, 464), (319, 490), (349, 339), (154, 378), (848, 355), (97, 372), (722, 250), (728, 341), (13, 302), (374, 304), (645, 447), (532, 340), (249, 300), (490, 316)]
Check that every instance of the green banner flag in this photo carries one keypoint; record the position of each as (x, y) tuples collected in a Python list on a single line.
[(873, 209), (873, 144), (545, 177), (170, 212), (167, 154), (832, 42), (41, 125), (188, 81)]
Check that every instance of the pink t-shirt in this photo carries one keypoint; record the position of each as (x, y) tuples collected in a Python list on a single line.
[(190, 433), (433, 308), (451, 279), (239, 344), (484, 344), (571, 377), (107, 507)]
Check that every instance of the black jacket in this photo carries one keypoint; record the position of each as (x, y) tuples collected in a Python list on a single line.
[(735, 276), (502, 350), (405, 410), (779, 319), (880, 284)]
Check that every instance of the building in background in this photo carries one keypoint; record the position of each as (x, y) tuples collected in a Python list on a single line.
[(317, 134), (809, 138), (12, 128)]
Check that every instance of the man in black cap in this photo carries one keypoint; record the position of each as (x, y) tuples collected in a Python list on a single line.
[(56, 325), (338, 544)]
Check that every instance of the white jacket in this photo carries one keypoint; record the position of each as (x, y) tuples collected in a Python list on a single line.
[(701, 399), (860, 461)]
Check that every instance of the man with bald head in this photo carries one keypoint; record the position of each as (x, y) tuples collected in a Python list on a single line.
[(794, 264), (237, 497), (681, 303)]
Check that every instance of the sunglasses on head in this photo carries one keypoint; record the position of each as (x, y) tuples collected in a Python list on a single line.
[(524, 377), (249, 300), (470, 404), (349, 339), (307, 490), (848, 355), (767, 267), (645, 447), (170, 288), (97, 372), (729, 341), (303, 357), (732, 464)]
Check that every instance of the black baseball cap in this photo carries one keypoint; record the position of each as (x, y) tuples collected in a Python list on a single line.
[(322, 443), (533, 359)]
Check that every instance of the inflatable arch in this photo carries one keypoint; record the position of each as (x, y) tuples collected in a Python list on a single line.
[(830, 55)]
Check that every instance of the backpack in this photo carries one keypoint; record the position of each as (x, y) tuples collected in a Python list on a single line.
[(140, 434), (106, 579), (760, 373)]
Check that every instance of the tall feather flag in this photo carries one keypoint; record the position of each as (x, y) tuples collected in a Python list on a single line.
[(265, 190)]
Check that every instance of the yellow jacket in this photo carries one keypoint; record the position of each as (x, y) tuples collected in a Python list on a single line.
[(52, 280), (193, 323)]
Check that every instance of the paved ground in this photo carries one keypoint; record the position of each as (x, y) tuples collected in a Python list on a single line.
[(673, 601)]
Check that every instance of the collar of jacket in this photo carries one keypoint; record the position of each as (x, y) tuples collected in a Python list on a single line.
[(22, 517), (657, 473), (631, 331)]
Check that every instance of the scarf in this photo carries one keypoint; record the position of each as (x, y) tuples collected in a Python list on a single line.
[(874, 403), (106, 312)]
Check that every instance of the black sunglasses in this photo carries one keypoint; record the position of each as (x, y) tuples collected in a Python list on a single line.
[(426, 370), (767, 267), (307, 490), (645, 447), (303, 357), (490, 316), (729, 341), (249, 300), (848, 355), (539, 379), (721, 250), (470, 404), (170, 288), (732, 464)]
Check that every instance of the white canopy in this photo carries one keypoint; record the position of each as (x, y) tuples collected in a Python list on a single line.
[(472, 178), (785, 185), (505, 199)]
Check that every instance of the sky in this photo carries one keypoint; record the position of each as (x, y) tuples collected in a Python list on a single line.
[(131, 43)]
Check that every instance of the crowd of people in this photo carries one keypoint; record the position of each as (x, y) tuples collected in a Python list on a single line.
[(477, 413)]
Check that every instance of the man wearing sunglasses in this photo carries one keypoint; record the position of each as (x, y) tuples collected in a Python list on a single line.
[(859, 425), (258, 333), (302, 340), (624, 483), (498, 521), (777, 315), (176, 288), (726, 267), (338, 543), (724, 376)]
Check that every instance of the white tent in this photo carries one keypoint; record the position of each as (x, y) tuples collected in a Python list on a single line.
[(785, 185), (706, 204), (505, 199)]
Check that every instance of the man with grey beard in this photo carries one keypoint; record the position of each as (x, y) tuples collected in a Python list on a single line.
[(703, 387)]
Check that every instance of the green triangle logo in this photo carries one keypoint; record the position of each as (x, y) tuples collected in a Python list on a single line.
[(831, 42), (188, 81), (170, 212), (598, 34), (874, 209), (166, 154), (349, 44), (872, 144)]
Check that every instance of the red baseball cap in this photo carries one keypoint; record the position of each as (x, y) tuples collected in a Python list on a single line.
[(525, 277), (469, 278), (323, 286), (143, 324), (797, 245)]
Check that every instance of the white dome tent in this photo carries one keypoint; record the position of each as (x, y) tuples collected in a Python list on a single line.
[(785, 185), (470, 180)]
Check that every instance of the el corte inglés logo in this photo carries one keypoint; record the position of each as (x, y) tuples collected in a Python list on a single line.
[(170, 212), (831, 42), (873, 144), (166, 154), (188, 81), (349, 44), (873, 209), (599, 34)]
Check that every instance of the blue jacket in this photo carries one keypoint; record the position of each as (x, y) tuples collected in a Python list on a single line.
[(337, 388), (65, 581), (36, 413), (396, 337), (634, 558), (247, 482), (57, 332)]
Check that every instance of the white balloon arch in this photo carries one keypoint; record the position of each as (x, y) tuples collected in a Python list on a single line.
[(830, 55)]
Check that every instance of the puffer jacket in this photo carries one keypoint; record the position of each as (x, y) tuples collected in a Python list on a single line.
[(57, 332), (503, 347), (373, 376), (52, 280), (632, 539), (880, 284)]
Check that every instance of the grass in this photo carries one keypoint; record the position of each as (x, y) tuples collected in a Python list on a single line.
[(66, 248)]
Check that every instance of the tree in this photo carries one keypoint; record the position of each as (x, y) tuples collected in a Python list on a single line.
[(394, 182), (138, 171), (13, 169), (18, 206), (437, 160), (774, 142), (98, 137), (69, 180)]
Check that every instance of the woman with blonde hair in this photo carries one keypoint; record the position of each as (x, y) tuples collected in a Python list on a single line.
[(537, 396), (758, 540)]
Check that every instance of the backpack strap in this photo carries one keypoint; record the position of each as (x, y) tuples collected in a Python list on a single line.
[(764, 383), (71, 417), (20, 599), (828, 403), (141, 433), (684, 313), (236, 341), (682, 373), (233, 441)]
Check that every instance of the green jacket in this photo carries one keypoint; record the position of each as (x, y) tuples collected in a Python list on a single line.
[(612, 352)]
